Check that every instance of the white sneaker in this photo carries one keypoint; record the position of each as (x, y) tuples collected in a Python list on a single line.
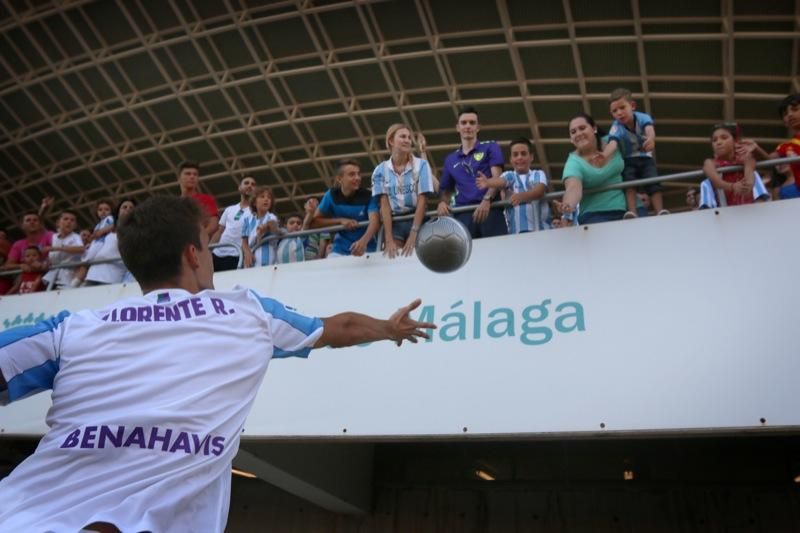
[(663, 212), (628, 215)]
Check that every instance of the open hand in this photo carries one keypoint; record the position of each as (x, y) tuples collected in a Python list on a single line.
[(404, 328)]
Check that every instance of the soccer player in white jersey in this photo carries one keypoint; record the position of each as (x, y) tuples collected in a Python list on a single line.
[(150, 394), (524, 188)]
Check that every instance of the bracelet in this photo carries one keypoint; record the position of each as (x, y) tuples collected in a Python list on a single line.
[(415, 228), (487, 197)]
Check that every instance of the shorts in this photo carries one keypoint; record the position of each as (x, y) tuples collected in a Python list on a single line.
[(401, 229), (637, 168)]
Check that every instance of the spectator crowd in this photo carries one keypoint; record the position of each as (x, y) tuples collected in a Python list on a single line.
[(473, 175)]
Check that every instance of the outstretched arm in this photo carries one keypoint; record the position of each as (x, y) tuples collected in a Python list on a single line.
[(348, 329)]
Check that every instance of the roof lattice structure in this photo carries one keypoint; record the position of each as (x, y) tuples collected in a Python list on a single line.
[(106, 98)]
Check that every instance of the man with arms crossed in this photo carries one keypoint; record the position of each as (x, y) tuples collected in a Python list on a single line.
[(151, 393)]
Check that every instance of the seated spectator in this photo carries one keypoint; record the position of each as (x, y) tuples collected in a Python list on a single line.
[(783, 184), (643, 204), (30, 280), (104, 226), (728, 151), (291, 249), (692, 200), (401, 183), (67, 248), (586, 169), (524, 188), (316, 243), (86, 236), (188, 179), (35, 235), (347, 204), (230, 228), (470, 161), (7, 281), (258, 224)]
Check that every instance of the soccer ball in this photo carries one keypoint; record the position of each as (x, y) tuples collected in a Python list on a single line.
[(443, 244)]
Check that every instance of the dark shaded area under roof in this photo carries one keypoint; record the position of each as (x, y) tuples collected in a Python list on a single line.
[(106, 98)]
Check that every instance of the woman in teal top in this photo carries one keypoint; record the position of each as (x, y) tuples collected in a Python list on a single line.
[(587, 168)]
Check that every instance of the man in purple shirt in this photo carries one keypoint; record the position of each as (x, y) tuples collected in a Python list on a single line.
[(472, 160), (35, 235)]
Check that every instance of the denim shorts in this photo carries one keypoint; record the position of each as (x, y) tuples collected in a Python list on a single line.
[(637, 168), (401, 229)]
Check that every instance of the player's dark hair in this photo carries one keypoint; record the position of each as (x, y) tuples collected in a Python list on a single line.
[(188, 164), (521, 140), (153, 237), (467, 109), (792, 99)]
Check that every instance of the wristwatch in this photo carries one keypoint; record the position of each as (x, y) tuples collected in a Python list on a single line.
[(487, 197), (415, 228)]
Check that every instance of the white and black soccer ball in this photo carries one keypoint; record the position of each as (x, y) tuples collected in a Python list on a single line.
[(443, 244)]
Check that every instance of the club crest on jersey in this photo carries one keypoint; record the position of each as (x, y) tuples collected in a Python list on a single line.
[(477, 156)]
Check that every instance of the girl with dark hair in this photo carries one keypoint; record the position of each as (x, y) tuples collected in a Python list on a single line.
[(587, 169)]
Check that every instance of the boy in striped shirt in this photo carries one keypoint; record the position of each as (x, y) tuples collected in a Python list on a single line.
[(525, 189), (292, 249)]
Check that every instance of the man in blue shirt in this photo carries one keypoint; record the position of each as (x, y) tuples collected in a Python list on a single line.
[(347, 204), (462, 167)]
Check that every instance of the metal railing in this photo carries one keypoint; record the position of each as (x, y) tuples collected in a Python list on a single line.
[(680, 176)]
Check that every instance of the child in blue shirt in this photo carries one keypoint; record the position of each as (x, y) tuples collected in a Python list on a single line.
[(634, 135)]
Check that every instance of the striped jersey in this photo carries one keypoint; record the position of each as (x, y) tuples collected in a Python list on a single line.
[(263, 255), (150, 395), (402, 191), (522, 218), (291, 250)]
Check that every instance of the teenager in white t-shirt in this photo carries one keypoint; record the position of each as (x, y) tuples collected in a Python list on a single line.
[(150, 393)]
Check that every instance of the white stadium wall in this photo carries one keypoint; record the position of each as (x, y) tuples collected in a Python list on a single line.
[(658, 325)]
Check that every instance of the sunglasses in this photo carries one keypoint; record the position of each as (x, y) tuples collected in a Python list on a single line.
[(732, 127)]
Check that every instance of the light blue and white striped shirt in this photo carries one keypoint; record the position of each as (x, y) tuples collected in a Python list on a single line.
[(263, 255), (403, 190), (291, 250), (521, 218)]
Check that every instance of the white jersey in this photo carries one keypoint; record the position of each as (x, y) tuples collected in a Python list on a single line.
[(111, 272), (522, 218), (150, 395), (62, 277), (233, 219)]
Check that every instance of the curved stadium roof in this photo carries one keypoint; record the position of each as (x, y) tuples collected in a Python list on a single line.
[(106, 98)]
